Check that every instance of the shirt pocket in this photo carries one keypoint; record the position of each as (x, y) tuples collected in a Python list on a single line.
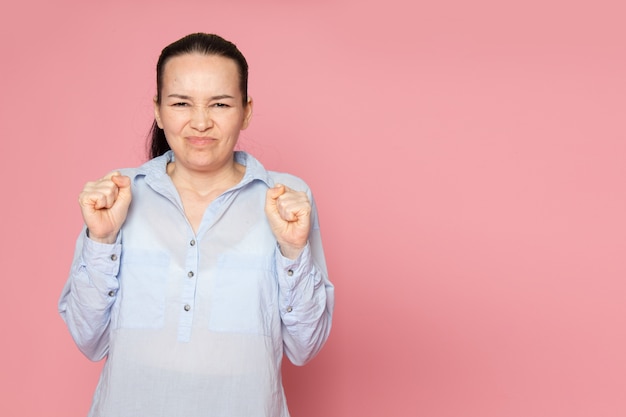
[(243, 295), (143, 285)]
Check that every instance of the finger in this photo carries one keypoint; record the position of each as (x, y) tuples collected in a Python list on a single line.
[(276, 191), (296, 206), (104, 199), (114, 186), (99, 194), (272, 195), (294, 211), (286, 203), (123, 188), (111, 175), (122, 181)]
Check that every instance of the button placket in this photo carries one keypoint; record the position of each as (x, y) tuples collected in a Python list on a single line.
[(188, 289)]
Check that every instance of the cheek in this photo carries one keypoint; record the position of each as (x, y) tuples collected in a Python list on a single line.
[(172, 121)]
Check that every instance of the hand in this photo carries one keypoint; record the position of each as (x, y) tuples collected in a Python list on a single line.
[(289, 215), (104, 204)]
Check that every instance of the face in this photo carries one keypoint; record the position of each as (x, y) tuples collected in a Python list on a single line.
[(201, 111)]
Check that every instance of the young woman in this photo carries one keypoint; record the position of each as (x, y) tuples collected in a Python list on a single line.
[(198, 270)]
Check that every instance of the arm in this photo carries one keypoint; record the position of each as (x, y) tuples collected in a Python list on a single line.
[(306, 301), (306, 296), (91, 290), (89, 295)]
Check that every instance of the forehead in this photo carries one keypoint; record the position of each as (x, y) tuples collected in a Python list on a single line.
[(201, 72)]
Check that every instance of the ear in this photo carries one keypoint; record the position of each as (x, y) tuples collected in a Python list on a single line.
[(247, 113), (157, 112)]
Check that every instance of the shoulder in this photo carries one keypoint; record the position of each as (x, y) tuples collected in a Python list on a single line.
[(256, 171), (291, 181), (154, 167), (129, 172)]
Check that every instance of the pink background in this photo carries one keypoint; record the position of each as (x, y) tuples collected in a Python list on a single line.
[(468, 159)]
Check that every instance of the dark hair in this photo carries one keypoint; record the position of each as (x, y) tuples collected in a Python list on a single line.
[(203, 43)]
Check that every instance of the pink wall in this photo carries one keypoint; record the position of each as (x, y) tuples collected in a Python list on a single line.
[(468, 159)]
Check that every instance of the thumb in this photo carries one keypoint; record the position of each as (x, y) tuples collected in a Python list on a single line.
[(123, 185), (275, 192)]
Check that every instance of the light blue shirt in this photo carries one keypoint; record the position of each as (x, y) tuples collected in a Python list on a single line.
[(196, 324)]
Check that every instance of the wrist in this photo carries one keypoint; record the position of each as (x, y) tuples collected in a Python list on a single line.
[(108, 239), (290, 251)]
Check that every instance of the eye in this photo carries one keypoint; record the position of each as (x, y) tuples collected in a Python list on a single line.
[(180, 104), (220, 105)]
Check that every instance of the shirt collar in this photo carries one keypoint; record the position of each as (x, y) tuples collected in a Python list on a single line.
[(155, 169)]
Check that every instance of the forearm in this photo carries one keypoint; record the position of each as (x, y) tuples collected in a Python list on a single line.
[(306, 301), (89, 295)]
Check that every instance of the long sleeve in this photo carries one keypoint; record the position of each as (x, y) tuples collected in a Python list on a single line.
[(89, 295), (306, 300), (196, 322)]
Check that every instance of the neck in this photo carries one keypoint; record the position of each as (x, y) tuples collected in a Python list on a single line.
[(205, 184)]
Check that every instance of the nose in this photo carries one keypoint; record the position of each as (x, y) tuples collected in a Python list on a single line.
[(201, 118)]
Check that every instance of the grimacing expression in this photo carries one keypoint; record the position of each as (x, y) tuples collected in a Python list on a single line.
[(201, 110)]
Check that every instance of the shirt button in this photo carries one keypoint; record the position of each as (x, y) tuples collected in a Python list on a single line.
[(114, 257), (289, 309), (187, 307), (190, 274), (290, 272), (111, 293), (192, 243)]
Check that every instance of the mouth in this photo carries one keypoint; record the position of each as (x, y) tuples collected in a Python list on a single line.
[(200, 140)]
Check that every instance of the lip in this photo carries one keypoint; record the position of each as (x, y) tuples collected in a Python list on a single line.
[(200, 140)]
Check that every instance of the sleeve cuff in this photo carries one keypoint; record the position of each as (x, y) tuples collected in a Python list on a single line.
[(292, 271), (102, 257)]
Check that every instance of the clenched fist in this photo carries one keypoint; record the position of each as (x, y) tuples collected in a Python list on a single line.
[(289, 215), (104, 204)]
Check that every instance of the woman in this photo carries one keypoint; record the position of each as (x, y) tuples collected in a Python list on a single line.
[(197, 270)]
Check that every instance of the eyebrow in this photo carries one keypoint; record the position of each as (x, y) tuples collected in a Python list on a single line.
[(184, 97)]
